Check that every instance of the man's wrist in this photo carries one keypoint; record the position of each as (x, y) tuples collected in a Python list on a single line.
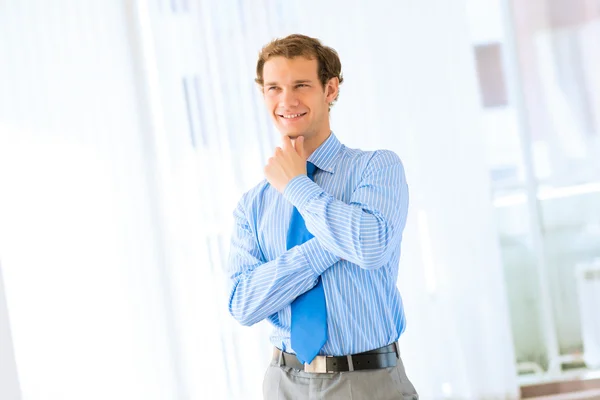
[(300, 190)]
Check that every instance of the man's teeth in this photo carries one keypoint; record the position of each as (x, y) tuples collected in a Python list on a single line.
[(292, 116)]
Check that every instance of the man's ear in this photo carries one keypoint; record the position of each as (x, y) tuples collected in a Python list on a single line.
[(332, 89)]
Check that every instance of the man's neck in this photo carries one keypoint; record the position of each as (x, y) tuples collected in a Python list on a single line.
[(311, 145)]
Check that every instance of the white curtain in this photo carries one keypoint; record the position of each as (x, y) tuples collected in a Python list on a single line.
[(82, 259)]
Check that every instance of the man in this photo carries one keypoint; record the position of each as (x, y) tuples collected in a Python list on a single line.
[(316, 245)]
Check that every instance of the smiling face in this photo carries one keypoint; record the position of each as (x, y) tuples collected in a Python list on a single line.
[(296, 99)]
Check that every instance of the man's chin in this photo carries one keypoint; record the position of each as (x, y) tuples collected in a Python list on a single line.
[(292, 135)]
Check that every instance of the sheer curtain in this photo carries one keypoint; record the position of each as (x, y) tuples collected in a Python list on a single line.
[(410, 86), (83, 260)]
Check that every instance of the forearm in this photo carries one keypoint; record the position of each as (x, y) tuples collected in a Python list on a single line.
[(366, 230), (349, 231), (261, 289)]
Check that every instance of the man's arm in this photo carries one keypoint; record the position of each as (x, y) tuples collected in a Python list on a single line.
[(259, 288), (365, 230)]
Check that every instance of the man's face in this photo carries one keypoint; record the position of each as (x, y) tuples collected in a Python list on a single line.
[(295, 97)]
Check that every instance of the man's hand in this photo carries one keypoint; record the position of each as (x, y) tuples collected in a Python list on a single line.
[(287, 163)]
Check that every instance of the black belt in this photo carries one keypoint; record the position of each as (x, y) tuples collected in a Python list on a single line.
[(383, 357)]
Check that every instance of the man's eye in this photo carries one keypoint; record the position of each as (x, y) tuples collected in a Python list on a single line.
[(302, 85), (271, 88)]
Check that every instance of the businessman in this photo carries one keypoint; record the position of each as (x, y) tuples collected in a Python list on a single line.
[(316, 244)]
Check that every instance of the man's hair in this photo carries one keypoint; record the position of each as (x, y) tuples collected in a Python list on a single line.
[(296, 45)]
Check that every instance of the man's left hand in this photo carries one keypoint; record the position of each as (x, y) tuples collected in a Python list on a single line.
[(287, 163)]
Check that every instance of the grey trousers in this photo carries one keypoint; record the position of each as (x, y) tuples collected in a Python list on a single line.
[(285, 383)]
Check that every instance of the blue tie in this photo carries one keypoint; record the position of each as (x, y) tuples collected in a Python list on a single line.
[(309, 312)]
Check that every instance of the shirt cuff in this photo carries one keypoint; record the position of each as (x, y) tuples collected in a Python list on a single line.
[(300, 190), (317, 257)]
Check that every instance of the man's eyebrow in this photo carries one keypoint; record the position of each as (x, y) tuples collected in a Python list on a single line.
[(295, 82)]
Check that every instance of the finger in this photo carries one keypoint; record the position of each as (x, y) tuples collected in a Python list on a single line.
[(299, 146), (287, 143), (278, 150)]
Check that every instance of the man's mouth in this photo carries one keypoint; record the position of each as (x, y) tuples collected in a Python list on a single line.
[(292, 116)]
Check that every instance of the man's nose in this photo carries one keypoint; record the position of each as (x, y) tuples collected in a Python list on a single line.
[(288, 98)]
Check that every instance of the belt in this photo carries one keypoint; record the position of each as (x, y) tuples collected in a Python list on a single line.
[(383, 357)]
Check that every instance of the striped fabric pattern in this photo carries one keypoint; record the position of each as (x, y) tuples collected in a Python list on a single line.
[(356, 208)]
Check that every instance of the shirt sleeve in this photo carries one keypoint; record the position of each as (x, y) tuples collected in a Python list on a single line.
[(369, 227), (259, 288)]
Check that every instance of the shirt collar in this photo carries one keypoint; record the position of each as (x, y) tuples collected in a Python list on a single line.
[(324, 157)]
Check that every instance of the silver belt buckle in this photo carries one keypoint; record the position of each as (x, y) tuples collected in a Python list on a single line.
[(317, 366)]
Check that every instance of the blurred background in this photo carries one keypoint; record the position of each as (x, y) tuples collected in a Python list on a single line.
[(130, 128)]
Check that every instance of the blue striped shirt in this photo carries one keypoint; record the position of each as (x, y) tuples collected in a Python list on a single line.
[(356, 209)]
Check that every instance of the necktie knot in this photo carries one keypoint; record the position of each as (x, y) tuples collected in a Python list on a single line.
[(310, 170)]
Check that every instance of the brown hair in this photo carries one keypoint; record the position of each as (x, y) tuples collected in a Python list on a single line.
[(296, 45)]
